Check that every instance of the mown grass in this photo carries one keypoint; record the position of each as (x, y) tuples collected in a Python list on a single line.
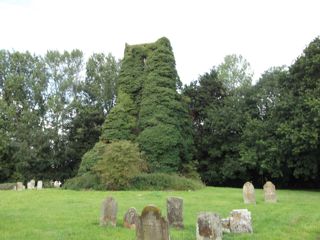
[(64, 214)]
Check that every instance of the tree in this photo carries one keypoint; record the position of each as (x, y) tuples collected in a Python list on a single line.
[(298, 115), (219, 108), (23, 83), (235, 72), (101, 80)]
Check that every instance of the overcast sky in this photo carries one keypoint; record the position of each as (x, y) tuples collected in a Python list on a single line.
[(266, 32)]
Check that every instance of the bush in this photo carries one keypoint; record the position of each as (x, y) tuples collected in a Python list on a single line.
[(91, 157), (85, 181), (7, 186), (163, 181), (121, 161)]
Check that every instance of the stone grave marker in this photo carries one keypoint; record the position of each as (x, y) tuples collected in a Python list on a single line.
[(130, 218), (39, 185), (20, 186), (248, 193), (225, 225), (240, 221), (56, 184), (209, 226), (175, 212), (151, 225), (109, 210), (269, 190), (31, 184)]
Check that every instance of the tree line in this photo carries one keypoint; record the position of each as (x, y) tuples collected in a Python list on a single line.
[(56, 107), (51, 111), (266, 131)]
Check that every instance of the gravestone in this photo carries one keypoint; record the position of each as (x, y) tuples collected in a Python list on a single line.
[(209, 227), (39, 185), (31, 184), (248, 193), (151, 225), (56, 184), (130, 218), (20, 186), (225, 222), (109, 210), (269, 190), (175, 212), (240, 221)]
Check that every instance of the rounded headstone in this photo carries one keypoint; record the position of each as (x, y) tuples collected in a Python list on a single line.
[(269, 190), (248, 193), (130, 218), (151, 225)]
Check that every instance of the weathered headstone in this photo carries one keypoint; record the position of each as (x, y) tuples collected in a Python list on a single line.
[(39, 185), (30, 185), (269, 190), (248, 193), (175, 212), (225, 225), (57, 184), (151, 225), (209, 227), (20, 186), (109, 210), (130, 218), (240, 221)]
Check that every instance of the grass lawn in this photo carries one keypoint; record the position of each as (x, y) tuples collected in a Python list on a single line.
[(63, 214)]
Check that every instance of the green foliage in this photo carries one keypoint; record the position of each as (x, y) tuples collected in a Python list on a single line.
[(91, 157), (149, 110), (235, 72), (49, 116), (85, 181), (121, 161), (163, 181), (101, 80), (121, 122)]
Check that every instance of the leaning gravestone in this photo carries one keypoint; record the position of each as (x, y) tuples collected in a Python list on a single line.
[(209, 227), (151, 225), (39, 185), (130, 218), (109, 210), (240, 221), (31, 184), (175, 212), (20, 186), (248, 193), (269, 190)]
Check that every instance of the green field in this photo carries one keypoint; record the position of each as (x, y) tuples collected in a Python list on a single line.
[(63, 214)]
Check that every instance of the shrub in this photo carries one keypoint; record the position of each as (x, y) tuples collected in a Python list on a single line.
[(7, 186), (85, 181), (91, 157), (121, 161), (163, 181)]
